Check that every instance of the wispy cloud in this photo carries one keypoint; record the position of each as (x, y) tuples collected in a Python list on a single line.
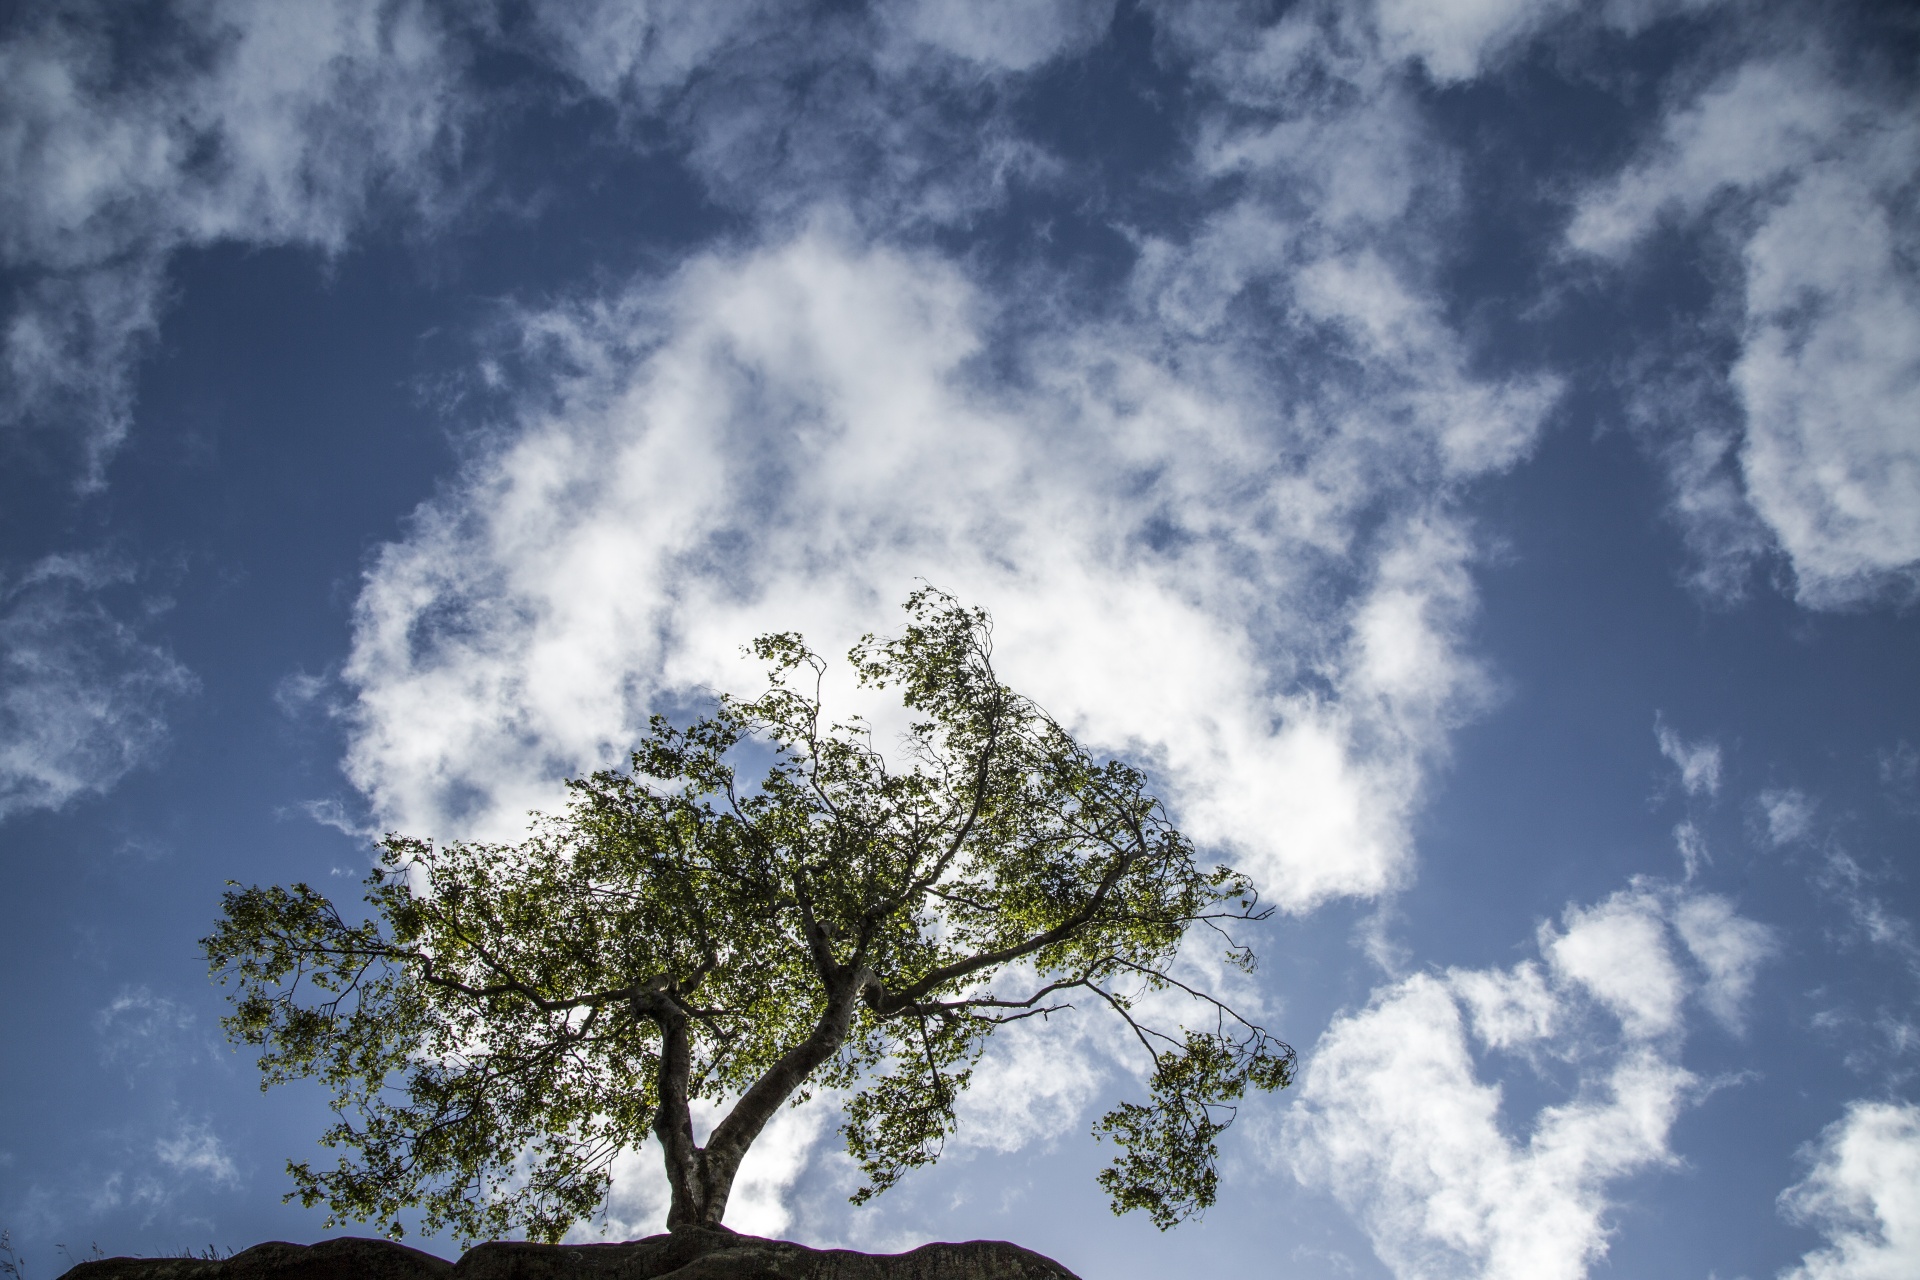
[(195, 1150), (139, 1030), (1698, 762), (1786, 815), (1461, 40), (82, 693), (237, 121)]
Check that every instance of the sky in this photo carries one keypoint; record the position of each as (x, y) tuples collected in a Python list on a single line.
[(1466, 451)]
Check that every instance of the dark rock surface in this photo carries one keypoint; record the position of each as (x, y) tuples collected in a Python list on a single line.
[(694, 1254)]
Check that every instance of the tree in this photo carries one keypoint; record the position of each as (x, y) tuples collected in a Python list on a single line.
[(508, 1018)]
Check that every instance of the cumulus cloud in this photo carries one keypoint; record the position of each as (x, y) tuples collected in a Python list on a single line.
[(82, 694), (1810, 177), (1396, 1118), (1215, 525), (789, 437), (236, 120), (1510, 1007), (1863, 1195), (1618, 952)]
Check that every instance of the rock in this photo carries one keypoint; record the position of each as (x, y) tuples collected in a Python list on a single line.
[(348, 1258), (691, 1254)]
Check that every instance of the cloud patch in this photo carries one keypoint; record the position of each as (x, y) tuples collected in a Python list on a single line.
[(82, 695), (1807, 174), (1863, 1195), (236, 120), (788, 437), (1396, 1118), (1698, 762), (1214, 516)]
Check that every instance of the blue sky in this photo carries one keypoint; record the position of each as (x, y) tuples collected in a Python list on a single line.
[(1468, 451)]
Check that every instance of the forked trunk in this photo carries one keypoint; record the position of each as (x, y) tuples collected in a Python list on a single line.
[(701, 1178), (700, 1193)]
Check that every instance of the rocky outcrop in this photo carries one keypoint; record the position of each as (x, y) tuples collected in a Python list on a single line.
[(693, 1254)]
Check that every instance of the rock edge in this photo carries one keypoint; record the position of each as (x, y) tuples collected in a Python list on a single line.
[(691, 1254)]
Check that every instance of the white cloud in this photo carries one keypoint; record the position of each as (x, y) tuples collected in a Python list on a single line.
[(894, 110), (1510, 1007), (1173, 571), (332, 812), (188, 1149), (1729, 947), (1788, 814), (1396, 1119), (1393, 1119), (1618, 952), (1863, 1194), (1900, 775), (1698, 762), (81, 694), (637, 1201), (1811, 179), (1207, 544), (1453, 39), (195, 1149), (772, 1167), (249, 121), (1692, 844), (1033, 1083), (1215, 525), (1852, 885)]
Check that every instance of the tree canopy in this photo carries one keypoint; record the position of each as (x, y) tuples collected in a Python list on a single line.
[(506, 1019)]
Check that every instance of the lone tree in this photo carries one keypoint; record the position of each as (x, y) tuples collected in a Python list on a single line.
[(508, 1018)]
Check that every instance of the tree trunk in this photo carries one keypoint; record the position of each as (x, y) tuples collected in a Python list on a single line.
[(701, 1178), (700, 1196)]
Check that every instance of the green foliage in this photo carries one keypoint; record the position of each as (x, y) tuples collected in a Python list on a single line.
[(1167, 1150), (507, 1018)]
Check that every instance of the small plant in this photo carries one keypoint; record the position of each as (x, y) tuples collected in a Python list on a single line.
[(12, 1265)]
